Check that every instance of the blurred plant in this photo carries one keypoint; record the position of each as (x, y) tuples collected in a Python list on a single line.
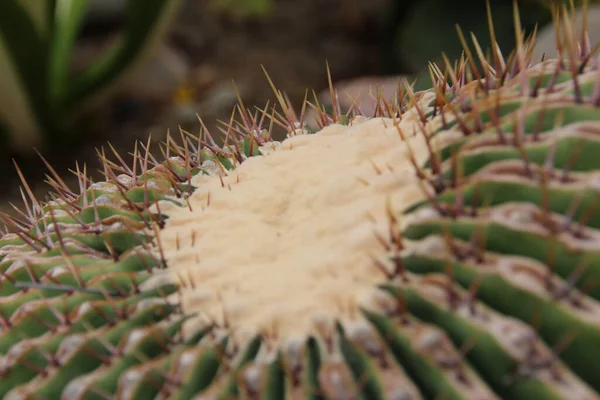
[(41, 100), (245, 8)]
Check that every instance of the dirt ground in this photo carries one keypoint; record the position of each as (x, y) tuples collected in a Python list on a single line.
[(293, 44)]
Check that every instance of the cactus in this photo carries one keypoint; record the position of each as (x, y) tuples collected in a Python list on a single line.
[(443, 247)]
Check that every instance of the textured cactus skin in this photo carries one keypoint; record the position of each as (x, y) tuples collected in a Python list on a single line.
[(495, 292), (527, 191)]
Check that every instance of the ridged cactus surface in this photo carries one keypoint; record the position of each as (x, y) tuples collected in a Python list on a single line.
[(484, 285)]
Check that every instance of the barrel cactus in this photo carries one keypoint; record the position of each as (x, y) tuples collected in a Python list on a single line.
[(445, 247)]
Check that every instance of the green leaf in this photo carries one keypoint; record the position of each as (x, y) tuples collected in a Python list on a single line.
[(146, 21), (25, 48), (68, 16), (24, 56)]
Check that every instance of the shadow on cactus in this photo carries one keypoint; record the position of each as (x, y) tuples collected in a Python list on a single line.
[(40, 99), (446, 247)]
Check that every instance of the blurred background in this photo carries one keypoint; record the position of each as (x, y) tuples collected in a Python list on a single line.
[(78, 74)]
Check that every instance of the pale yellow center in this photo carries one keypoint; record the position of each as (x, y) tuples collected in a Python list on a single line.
[(291, 235)]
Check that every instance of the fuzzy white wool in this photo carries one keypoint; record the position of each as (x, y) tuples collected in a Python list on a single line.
[(291, 235)]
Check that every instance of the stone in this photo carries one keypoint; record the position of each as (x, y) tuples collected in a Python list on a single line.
[(546, 37), (159, 77)]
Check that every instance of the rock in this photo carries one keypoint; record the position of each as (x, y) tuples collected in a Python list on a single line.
[(159, 77), (546, 37), (221, 98), (204, 77)]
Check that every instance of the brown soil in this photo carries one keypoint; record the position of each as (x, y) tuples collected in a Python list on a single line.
[(293, 44)]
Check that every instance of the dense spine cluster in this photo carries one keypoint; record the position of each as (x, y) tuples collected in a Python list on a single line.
[(490, 289)]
